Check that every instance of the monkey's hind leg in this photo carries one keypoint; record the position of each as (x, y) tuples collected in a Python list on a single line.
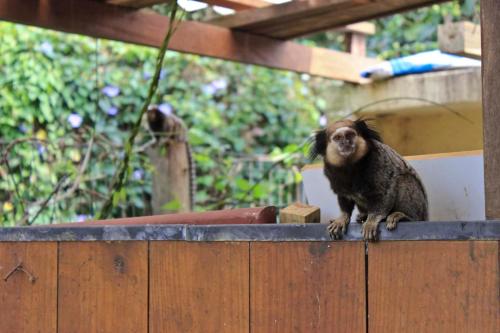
[(393, 219)]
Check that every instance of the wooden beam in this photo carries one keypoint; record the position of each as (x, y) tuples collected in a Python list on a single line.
[(462, 38), (490, 30), (238, 4), (362, 28), (135, 3), (298, 18), (233, 4), (128, 25)]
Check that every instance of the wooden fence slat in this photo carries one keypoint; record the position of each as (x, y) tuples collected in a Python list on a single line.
[(28, 306), (103, 287), (433, 286), (199, 287), (307, 287)]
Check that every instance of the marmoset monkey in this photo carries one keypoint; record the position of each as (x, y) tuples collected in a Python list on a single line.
[(365, 172), (167, 127)]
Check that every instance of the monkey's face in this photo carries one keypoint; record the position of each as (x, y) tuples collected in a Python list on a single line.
[(344, 141), (344, 145)]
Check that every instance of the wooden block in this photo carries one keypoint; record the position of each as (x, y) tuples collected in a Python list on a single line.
[(300, 213), (199, 287), (307, 287), (433, 286), (462, 38), (103, 287), (28, 305)]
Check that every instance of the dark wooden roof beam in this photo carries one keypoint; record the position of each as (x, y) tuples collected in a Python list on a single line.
[(144, 27)]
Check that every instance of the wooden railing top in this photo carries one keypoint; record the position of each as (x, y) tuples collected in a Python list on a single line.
[(442, 230)]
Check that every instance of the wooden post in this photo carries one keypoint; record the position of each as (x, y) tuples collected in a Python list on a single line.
[(355, 43), (171, 178), (172, 162), (490, 44)]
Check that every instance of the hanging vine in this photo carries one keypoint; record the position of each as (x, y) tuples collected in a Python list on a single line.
[(123, 168)]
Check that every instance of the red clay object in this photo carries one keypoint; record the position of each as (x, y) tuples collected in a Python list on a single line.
[(258, 215)]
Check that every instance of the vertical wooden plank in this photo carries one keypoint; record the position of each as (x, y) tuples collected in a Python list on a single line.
[(490, 50), (199, 287), (28, 306), (103, 287), (307, 287), (433, 286)]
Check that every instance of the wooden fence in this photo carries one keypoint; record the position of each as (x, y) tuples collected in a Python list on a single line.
[(261, 278)]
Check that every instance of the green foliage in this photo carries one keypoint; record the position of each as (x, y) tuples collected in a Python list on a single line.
[(416, 31), (46, 78), (406, 33)]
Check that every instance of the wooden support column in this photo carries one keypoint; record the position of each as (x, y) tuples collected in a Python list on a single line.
[(490, 44)]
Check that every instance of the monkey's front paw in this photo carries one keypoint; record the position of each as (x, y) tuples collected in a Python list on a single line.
[(337, 228), (370, 231)]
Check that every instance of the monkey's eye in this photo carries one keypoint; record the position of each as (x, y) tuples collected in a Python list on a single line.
[(336, 137), (350, 135)]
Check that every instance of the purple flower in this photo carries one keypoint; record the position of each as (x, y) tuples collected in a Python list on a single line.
[(75, 120), (82, 217), (146, 75), (47, 49), (323, 120), (214, 86), (138, 174), (163, 73), (112, 111), (165, 108), (219, 84), (111, 91), (22, 128), (41, 149), (208, 89)]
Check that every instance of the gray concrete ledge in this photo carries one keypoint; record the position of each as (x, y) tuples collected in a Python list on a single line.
[(457, 88), (470, 230)]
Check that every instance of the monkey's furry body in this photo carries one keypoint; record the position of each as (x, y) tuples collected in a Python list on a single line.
[(365, 172)]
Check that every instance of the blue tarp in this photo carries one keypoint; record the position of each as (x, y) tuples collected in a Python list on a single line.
[(418, 63)]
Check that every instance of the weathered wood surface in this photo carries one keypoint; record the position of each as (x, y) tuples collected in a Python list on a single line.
[(298, 18), (299, 213), (103, 287), (129, 25), (433, 287), (307, 287), (28, 299), (199, 287), (171, 178), (462, 38), (490, 44)]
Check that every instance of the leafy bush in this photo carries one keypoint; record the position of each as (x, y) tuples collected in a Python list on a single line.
[(59, 92)]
